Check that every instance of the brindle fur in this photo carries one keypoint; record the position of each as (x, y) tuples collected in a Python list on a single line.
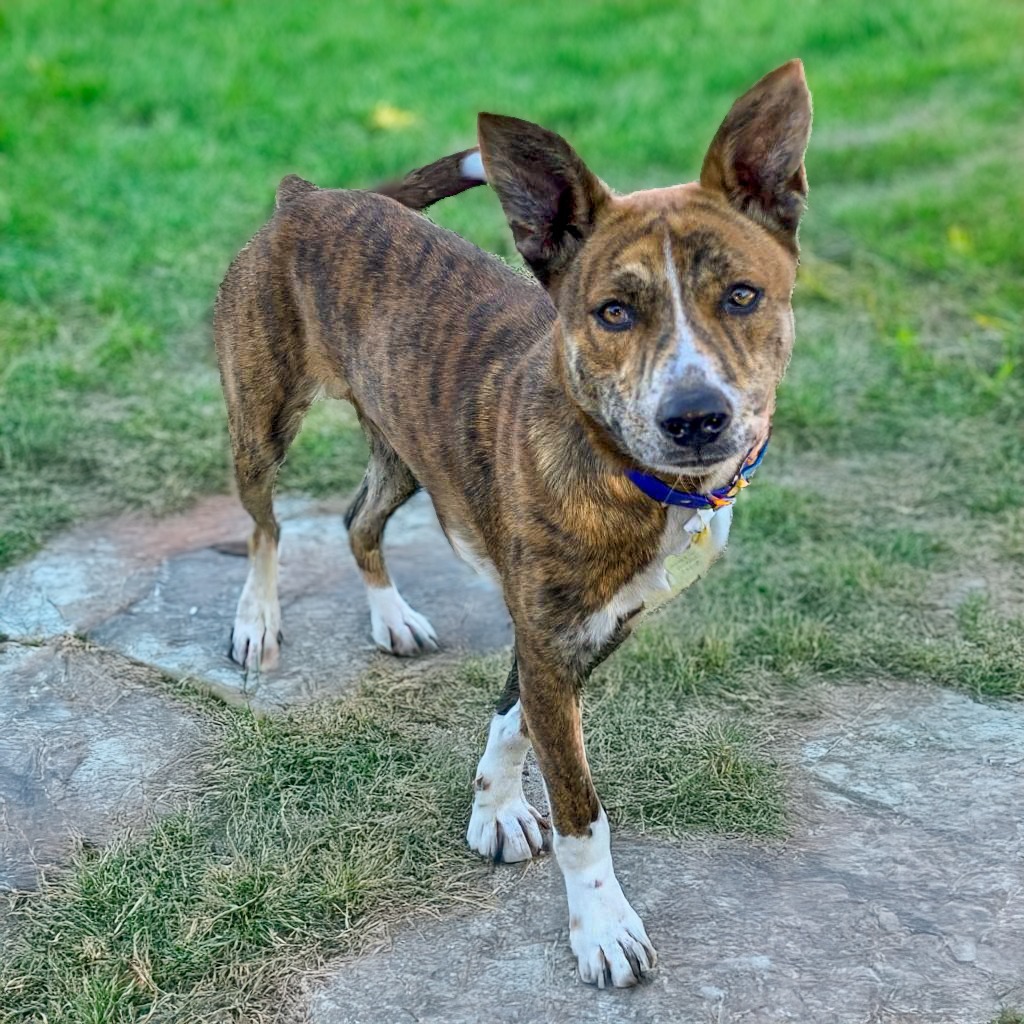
[(504, 399)]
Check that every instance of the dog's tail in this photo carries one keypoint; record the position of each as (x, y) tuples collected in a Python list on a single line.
[(443, 178), (418, 189)]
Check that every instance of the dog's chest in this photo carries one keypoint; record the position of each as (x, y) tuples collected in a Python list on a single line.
[(690, 543)]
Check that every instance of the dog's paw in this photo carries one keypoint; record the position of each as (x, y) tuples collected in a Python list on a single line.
[(507, 833), (256, 636), (609, 939), (397, 628)]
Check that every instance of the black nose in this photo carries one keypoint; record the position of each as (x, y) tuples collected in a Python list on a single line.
[(695, 416)]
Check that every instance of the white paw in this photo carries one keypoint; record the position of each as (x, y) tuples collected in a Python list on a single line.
[(397, 628), (606, 934), (506, 833), (608, 938), (256, 636)]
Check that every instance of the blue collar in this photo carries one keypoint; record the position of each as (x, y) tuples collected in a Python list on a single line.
[(719, 498)]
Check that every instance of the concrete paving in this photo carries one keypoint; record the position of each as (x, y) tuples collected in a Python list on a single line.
[(89, 744), (898, 897), (164, 593), (91, 573), (86, 748), (183, 622)]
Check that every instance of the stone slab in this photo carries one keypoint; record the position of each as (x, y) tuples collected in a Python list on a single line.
[(86, 749), (182, 622), (164, 592), (898, 897), (90, 573)]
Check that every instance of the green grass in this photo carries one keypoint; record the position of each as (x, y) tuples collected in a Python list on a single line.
[(140, 148), (140, 145)]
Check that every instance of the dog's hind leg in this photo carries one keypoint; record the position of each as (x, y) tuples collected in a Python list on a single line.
[(267, 390), (388, 483), (263, 424)]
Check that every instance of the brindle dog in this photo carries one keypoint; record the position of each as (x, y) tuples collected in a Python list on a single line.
[(655, 340)]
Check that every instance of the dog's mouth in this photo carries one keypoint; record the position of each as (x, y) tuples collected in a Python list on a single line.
[(698, 460), (702, 470), (699, 468), (704, 460)]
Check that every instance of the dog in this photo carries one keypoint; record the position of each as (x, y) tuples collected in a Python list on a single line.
[(579, 433)]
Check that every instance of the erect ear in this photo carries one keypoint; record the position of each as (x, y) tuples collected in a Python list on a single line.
[(757, 157), (550, 198)]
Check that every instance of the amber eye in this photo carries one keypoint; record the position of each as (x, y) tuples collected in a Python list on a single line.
[(742, 298), (615, 316)]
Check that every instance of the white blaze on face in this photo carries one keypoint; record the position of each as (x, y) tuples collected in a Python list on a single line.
[(686, 357), (686, 360)]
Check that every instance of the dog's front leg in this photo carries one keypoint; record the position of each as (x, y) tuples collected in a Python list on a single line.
[(504, 825), (606, 934)]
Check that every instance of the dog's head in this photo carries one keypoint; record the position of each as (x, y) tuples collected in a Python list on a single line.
[(674, 314)]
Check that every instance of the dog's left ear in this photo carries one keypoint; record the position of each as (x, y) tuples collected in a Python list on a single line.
[(757, 156), (550, 198)]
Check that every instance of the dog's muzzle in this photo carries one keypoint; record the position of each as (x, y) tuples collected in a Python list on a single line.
[(695, 417)]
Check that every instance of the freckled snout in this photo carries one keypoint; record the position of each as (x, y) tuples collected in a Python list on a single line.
[(695, 415)]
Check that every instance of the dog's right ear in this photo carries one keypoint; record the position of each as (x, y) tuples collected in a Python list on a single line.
[(550, 198)]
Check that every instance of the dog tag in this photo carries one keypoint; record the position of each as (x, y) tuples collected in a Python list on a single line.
[(708, 530)]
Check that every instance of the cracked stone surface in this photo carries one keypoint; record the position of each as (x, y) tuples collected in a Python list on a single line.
[(898, 897), (88, 574), (86, 749), (164, 593)]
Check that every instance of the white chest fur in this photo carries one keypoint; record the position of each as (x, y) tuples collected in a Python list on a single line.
[(700, 534)]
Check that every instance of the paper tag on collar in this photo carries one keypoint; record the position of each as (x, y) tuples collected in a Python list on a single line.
[(708, 530), (700, 521)]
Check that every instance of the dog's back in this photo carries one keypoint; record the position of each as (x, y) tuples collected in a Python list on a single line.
[(347, 292)]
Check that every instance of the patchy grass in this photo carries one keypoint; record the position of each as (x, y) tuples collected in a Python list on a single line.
[(814, 589), (319, 828), (664, 763), (312, 831)]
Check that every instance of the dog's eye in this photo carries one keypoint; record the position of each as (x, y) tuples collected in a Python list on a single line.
[(615, 316), (741, 298)]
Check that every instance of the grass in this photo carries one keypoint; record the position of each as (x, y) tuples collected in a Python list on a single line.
[(850, 600), (301, 842), (316, 831), (139, 148)]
